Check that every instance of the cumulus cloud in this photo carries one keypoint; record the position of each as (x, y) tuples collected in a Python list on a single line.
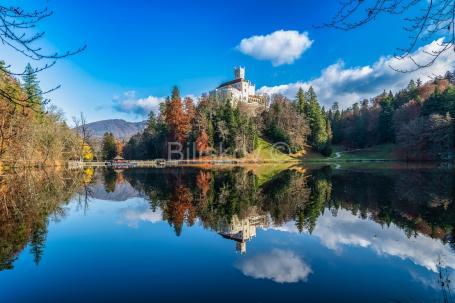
[(280, 47), (280, 266), (338, 83), (129, 103)]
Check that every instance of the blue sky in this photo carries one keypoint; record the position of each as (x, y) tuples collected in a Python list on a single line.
[(137, 50)]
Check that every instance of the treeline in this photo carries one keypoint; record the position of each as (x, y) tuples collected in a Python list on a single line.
[(215, 127), (31, 131), (418, 119)]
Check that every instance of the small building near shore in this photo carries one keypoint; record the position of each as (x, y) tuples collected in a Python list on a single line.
[(119, 159)]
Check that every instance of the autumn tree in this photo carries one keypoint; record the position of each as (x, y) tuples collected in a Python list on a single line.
[(426, 138), (283, 123), (177, 119), (202, 142)]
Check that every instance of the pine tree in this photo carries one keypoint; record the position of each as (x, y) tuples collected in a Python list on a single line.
[(32, 89), (412, 85), (385, 127), (38, 240), (152, 123), (319, 137), (109, 148), (300, 101)]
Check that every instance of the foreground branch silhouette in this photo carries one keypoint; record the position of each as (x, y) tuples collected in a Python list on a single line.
[(427, 20), (17, 31)]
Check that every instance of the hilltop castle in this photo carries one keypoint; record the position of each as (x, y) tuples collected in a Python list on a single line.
[(239, 90)]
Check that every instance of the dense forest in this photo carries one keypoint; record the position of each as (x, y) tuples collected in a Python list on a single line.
[(215, 127), (417, 120), (32, 132)]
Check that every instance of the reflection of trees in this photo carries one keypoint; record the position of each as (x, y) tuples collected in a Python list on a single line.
[(27, 200), (110, 179), (179, 208), (414, 200), (218, 197)]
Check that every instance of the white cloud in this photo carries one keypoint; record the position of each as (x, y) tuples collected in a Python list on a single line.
[(349, 85), (279, 266), (280, 47), (129, 103)]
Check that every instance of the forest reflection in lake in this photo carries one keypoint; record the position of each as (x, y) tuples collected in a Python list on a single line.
[(259, 233)]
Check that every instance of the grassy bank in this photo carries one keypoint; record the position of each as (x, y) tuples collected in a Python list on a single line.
[(382, 152)]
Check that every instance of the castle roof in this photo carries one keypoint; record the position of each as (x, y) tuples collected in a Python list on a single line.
[(230, 82)]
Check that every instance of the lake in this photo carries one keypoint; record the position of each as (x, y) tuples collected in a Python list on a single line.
[(341, 233)]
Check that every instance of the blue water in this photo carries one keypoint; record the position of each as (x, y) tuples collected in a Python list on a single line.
[(117, 247)]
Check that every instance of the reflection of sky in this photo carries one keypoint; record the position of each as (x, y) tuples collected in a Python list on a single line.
[(102, 252), (282, 266), (139, 211), (345, 229)]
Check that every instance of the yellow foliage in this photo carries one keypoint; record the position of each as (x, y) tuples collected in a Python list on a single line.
[(87, 152), (88, 175)]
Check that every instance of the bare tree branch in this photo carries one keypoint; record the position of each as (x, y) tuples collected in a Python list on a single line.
[(17, 31), (426, 20)]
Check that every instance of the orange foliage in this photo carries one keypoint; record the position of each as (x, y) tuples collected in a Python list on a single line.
[(203, 182), (202, 142), (181, 208), (179, 118)]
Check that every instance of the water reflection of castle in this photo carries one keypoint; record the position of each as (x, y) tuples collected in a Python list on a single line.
[(242, 230)]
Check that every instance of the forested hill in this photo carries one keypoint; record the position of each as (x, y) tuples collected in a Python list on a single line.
[(118, 127)]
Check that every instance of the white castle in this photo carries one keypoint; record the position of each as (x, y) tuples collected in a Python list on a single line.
[(239, 90), (242, 230)]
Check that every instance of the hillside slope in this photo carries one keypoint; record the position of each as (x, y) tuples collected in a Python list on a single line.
[(120, 128)]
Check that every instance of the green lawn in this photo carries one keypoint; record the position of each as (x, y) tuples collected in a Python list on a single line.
[(378, 152), (265, 151)]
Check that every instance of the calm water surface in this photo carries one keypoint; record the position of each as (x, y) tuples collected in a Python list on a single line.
[(256, 234)]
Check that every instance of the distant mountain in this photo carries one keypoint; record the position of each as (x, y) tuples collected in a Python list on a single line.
[(120, 128)]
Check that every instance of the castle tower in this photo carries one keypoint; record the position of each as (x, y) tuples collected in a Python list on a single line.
[(239, 72)]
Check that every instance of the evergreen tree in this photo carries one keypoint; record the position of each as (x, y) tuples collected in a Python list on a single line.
[(152, 123), (32, 89), (385, 126), (38, 240), (300, 101), (319, 137), (109, 148), (412, 85)]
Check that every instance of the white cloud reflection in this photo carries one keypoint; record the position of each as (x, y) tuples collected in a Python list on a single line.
[(281, 266), (140, 212), (346, 229)]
